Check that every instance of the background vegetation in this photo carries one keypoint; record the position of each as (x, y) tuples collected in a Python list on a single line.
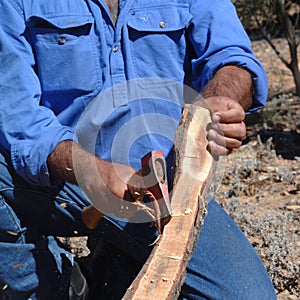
[(268, 19)]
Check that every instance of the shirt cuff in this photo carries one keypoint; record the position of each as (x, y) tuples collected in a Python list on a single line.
[(29, 157)]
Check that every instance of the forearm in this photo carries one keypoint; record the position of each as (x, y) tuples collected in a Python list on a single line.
[(69, 162), (232, 82), (60, 162), (97, 177)]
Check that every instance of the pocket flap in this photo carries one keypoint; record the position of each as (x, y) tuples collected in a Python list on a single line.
[(61, 22), (169, 18)]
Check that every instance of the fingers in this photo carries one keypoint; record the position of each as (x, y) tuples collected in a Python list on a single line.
[(227, 129), (218, 150), (234, 114), (223, 138), (220, 145), (233, 130)]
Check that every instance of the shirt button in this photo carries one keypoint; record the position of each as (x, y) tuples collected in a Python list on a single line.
[(162, 24), (115, 48), (62, 40)]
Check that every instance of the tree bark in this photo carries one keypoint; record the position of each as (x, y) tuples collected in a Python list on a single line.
[(291, 37)]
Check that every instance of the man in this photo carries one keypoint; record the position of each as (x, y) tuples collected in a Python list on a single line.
[(72, 73)]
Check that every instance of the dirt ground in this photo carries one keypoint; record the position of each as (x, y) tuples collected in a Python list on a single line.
[(261, 184), (261, 191), (260, 187)]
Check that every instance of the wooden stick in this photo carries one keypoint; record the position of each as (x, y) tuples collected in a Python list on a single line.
[(163, 274), (91, 216)]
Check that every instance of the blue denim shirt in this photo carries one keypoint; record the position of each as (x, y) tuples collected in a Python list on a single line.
[(59, 60)]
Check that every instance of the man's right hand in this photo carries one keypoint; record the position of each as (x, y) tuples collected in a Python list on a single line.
[(105, 183), (109, 191)]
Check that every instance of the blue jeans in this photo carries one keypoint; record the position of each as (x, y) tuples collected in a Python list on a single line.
[(34, 265)]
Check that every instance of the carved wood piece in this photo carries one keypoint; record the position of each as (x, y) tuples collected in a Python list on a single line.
[(163, 273)]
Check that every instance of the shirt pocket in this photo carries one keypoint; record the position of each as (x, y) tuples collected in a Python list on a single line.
[(157, 38), (66, 57)]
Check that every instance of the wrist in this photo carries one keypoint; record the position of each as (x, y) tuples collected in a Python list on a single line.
[(69, 162), (231, 82)]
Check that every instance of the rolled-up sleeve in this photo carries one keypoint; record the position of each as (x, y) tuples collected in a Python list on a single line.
[(28, 131), (219, 39)]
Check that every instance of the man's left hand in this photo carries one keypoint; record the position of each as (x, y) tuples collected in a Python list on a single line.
[(228, 129)]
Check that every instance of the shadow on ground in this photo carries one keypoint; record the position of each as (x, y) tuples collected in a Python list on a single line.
[(285, 143)]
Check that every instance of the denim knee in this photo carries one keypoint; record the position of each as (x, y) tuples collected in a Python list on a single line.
[(224, 264), (37, 269)]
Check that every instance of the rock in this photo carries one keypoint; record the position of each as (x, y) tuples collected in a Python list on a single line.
[(263, 177), (293, 207)]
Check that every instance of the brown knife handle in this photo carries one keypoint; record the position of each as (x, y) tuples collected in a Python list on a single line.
[(91, 216)]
